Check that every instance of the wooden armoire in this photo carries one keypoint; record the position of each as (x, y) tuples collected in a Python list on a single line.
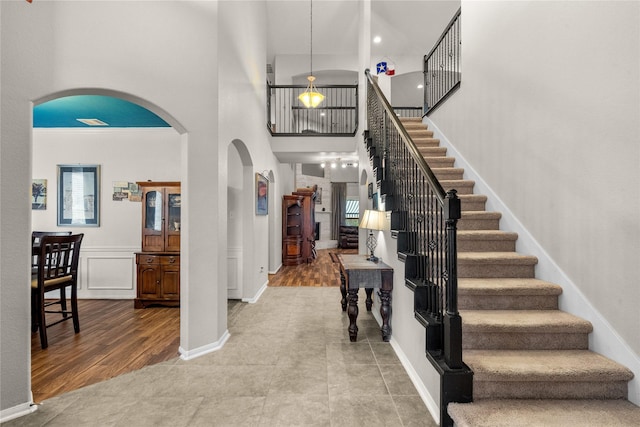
[(299, 226)]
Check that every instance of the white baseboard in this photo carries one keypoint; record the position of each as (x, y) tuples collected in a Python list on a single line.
[(18, 411), (258, 294), (206, 349), (604, 339)]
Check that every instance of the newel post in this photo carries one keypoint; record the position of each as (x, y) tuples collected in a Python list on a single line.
[(452, 319)]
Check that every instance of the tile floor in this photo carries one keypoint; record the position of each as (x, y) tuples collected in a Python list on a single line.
[(288, 362)]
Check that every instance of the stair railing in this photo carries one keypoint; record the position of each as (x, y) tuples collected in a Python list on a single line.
[(424, 220), (442, 74), (337, 115)]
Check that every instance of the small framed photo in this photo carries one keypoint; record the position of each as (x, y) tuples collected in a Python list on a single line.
[(370, 190), (262, 195), (79, 195), (39, 194), (375, 201)]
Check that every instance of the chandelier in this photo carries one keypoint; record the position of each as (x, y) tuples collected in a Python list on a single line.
[(311, 98)]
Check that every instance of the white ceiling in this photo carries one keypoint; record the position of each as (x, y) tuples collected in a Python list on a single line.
[(406, 27)]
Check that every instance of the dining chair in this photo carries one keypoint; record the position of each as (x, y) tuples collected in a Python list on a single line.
[(58, 259)]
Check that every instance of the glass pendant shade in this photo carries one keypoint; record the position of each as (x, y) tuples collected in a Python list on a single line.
[(311, 98)]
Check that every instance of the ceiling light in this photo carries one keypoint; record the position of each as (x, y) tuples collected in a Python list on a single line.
[(420, 86), (322, 165), (93, 122), (344, 165), (333, 165), (377, 39), (311, 98)]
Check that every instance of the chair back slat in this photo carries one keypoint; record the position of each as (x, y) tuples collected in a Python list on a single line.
[(59, 256)]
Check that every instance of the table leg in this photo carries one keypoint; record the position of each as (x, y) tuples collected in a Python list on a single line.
[(385, 312), (343, 291), (369, 300), (353, 314)]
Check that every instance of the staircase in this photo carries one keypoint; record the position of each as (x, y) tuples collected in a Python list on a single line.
[(531, 362)]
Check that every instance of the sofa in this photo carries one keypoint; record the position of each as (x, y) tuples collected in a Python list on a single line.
[(348, 237)]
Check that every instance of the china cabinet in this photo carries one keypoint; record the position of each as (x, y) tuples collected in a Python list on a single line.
[(158, 263)]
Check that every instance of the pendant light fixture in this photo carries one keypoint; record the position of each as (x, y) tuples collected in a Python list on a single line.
[(311, 98)]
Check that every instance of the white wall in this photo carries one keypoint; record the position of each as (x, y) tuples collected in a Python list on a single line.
[(547, 114), (107, 264), (166, 58)]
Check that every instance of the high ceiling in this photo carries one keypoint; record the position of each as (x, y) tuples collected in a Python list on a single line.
[(405, 27)]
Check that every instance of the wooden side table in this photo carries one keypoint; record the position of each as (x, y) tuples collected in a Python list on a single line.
[(357, 272)]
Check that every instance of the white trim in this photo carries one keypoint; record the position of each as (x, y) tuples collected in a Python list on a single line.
[(276, 270), (432, 405), (18, 411), (258, 294), (205, 349), (604, 339)]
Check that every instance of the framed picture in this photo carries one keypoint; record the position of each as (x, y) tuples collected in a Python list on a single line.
[(370, 190), (262, 194), (39, 194), (79, 195), (319, 196), (375, 201)]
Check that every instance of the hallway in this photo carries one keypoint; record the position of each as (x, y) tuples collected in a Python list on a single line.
[(288, 362)]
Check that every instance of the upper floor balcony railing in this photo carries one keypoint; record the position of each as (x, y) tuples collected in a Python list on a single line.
[(337, 115)]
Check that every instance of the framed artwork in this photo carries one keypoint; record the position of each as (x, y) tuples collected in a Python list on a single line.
[(262, 194), (39, 194), (79, 195), (319, 196), (370, 190), (375, 201)]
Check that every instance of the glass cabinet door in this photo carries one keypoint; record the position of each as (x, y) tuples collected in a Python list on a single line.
[(173, 208), (153, 206)]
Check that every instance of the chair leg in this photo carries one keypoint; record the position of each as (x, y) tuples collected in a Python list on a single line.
[(42, 322), (74, 309), (34, 311), (63, 302)]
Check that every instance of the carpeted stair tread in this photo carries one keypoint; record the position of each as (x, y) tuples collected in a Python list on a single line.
[(448, 173), (486, 235), (425, 141), (545, 413), (507, 286), (523, 321), (433, 151), (544, 365), (485, 258)]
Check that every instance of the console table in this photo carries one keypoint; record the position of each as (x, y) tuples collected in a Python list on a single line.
[(357, 272)]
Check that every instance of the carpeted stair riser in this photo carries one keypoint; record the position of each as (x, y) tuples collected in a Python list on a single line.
[(472, 202), (448, 173), (546, 374), (440, 162), (507, 294), (486, 241), (495, 264), (523, 330), (422, 142), (462, 186), (549, 390), (479, 220), (433, 151)]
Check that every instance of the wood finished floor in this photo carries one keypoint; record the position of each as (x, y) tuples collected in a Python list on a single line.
[(115, 338)]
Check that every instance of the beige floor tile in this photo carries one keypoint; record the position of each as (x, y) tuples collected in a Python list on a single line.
[(292, 410), (366, 411)]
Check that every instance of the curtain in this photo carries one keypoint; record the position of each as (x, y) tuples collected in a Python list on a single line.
[(338, 207)]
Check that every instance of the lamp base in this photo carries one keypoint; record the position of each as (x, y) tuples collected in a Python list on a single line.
[(373, 258)]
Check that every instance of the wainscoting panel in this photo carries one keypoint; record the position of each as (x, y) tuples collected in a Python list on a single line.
[(107, 273)]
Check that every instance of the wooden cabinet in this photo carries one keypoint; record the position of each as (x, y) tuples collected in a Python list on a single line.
[(298, 226), (158, 264), (292, 225)]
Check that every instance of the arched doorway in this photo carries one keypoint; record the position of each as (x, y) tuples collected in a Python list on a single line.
[(126, 153)]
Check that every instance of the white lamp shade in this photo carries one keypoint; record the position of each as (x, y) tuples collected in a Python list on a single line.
[(374, 220)]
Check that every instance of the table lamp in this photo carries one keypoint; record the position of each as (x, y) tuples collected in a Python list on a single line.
[(373, 220)]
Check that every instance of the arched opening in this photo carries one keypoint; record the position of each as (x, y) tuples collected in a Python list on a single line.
[(126, 153)]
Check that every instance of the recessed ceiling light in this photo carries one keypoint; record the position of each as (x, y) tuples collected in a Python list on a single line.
[(93, 122), (377, 39), (420, 86)]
